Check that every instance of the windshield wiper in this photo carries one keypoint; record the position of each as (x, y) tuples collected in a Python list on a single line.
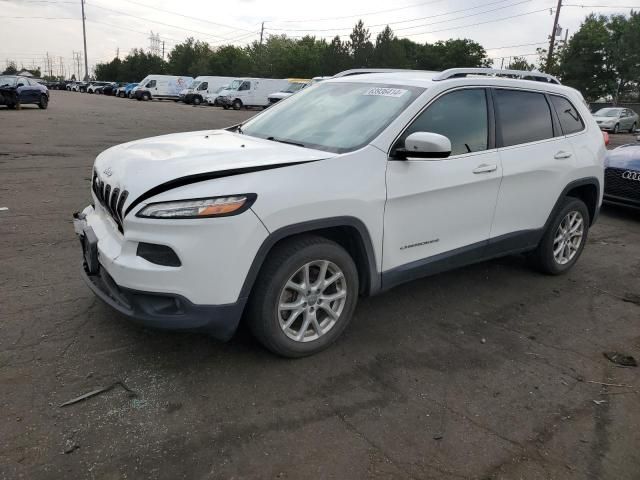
[(274, 139)]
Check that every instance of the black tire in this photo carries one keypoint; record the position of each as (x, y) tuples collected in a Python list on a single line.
[(146, 97), (237, 104), (11, 106), (633, 128), (197, 101), (44, 102), (282, 263), (543, 258), (616, 128), (226, 107)]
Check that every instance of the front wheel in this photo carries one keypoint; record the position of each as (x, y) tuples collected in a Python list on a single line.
[(633, 128), (304, 297), (197, 101), (146, 97), (237, 104), (564, 239), (44, 102), (616, 128)]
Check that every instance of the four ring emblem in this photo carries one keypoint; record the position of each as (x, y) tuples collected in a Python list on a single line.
[(629, 175)]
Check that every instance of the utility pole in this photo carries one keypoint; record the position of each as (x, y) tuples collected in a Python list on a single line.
[(163, 50), (84, 36), (553, 37), (261, 33)]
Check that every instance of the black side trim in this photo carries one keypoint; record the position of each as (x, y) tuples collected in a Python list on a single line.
[(508, 244), (577, 183), (307, 227), (201, 177)]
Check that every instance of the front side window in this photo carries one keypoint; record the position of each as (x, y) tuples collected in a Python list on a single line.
[(461, 116), (245, 86), (570, 120), (335, 117), (523, 117), (151, 84), (203, 86)]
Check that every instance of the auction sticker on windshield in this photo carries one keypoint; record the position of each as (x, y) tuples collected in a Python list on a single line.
[(385, 92)]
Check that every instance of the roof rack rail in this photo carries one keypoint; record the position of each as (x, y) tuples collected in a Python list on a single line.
[(495, 72)]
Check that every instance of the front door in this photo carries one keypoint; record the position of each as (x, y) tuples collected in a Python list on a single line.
[(439, 208)]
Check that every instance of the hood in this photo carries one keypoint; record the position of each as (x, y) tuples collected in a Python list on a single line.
[(604, 119), (148, 167), (281, 95), (624, 157)]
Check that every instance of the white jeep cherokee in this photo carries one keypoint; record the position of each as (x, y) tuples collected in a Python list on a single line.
[(348, 188)]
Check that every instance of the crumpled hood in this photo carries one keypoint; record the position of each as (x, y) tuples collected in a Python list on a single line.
[(626, 156), (142, 165)]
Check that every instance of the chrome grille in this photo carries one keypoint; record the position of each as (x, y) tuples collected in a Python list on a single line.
[(111, 200)]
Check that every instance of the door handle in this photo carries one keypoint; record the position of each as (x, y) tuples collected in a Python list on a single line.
[(485, 168), (561, 155)]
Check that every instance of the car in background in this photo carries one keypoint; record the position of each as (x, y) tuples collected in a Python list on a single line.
[(95, 86), (123, 91), (616, 119), (212, 99), (622, 175), (110, 89), (82, 87), (16, 91), (294, 85)]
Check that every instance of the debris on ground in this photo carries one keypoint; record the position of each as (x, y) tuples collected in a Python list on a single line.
[(437, 437), (621, 359), (631, 298), (98, 391), (71, 448), (599, 402), (611, 384), (483, 340)]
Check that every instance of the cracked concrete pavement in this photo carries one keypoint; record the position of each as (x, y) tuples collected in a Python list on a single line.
[(409, 391)]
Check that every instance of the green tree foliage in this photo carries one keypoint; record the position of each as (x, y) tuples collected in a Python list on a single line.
[(11, 69), (280, 56), (520, 63)]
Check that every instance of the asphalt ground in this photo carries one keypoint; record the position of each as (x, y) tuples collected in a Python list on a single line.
[(488, 372)]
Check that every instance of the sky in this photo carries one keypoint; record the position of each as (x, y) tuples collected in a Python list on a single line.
[(31, 29)]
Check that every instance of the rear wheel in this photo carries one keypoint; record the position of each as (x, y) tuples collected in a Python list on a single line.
[(633, 128), (564, 239), (616, 128), (44, 102), (304, 296)]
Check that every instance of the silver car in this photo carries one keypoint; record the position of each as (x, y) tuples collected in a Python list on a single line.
[(616, 119)]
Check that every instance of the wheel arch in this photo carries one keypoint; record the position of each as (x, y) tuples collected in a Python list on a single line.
[(587, 190), (349, 232)]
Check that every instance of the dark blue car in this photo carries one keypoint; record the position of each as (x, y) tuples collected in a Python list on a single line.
[(16, 91), (622, 176)]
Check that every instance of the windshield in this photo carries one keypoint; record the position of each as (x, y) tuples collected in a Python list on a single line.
[(336, 117), (224, 87), (293, 87), (235, 85), (607, 112), (194, 85), (7, 81)]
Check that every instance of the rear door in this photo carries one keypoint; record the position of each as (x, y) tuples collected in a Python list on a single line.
[(536, 159)]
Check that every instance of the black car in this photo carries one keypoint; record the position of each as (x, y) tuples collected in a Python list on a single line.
[(110, 89), (622, 176), (16, 91)]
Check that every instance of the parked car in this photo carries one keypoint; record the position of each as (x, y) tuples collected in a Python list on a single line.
[(622, 175), (96, 87), (212, 98), (16, 91), (128, 90), (294, 85), (249, 92), (82, 87), (161, 87), (110, 88), (275, 219), (124, 90), (615, 119)]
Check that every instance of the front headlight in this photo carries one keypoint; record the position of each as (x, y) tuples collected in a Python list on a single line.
[(199, 207)]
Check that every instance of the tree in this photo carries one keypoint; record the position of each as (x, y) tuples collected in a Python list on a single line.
[(336, 57), (360, 46), (11, 69), (229, 61), (520, 63), (189, 57), (388, 52), (453, 53)]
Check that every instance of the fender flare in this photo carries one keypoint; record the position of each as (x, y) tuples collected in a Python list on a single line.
[(366, 247)]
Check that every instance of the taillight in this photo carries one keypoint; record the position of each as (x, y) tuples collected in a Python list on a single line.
[(605, 135)]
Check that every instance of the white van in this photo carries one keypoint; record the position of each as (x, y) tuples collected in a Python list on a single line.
[(161, 87), (250, 92), (202, 87)]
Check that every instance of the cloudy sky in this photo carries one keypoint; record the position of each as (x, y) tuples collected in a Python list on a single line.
[(33, 28)]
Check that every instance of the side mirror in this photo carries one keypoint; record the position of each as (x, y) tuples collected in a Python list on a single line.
[(20, 85), (425, 145)]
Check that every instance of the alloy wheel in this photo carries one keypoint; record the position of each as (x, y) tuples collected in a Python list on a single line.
[(312, 300), (568, 237)]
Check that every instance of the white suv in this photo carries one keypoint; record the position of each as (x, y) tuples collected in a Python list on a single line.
[(348, 188)]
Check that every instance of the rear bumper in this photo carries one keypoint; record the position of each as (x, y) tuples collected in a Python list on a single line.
[(166, 311)]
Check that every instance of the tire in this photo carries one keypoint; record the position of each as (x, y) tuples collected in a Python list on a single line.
[(146, 97), (197, 101), (44, 102), (226, 107), (633, 128), (543, 258), (237, 104), (11, 106), (286, 263), (616, 128)]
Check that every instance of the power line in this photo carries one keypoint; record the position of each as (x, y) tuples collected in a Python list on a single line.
[(515, 46), (603, 6), (416, 19)]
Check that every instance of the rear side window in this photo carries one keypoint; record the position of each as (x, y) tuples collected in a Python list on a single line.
[(569, 117), (523, 117)]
